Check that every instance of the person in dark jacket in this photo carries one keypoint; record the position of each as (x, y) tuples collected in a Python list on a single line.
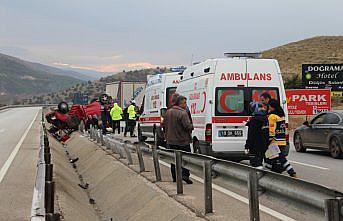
[(178, 128), (258, 134)]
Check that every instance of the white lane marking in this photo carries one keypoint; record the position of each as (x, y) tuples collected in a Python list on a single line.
[(309, 165), (240, 198), (10, 159)]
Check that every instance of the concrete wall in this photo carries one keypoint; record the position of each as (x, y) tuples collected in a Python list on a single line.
[(119, 192)]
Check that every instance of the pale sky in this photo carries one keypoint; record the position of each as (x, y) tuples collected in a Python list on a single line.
[(111, 35)]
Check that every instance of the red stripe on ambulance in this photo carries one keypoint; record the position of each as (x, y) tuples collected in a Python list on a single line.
[(229, 119), (150, 119)]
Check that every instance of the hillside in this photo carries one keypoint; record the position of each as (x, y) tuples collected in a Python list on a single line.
[(93, 88), (20, 78), (322, 49)]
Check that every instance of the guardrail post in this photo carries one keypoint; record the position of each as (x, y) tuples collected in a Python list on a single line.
[(90, 131), (128, 154), (140, 159), (52, 217), (113, 147), (340, 207), (207, 171), (49, 196), (46, 149), (98, 136), (48, 172), (253, 196), (102, 139), (93, 134), (178, 171), (120, 150), (47, 158), (332, 210), (46, 141), (156, 165), (107, 143)]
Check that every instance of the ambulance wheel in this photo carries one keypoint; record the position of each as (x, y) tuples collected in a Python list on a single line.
[(141, 138), (196, 146)]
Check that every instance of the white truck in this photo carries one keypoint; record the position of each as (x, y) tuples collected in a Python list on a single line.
[(157, 97), (125, 91), (218, 93)]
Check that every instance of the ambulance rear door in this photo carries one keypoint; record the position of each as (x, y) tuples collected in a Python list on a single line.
[(265, 76), (229, 110)]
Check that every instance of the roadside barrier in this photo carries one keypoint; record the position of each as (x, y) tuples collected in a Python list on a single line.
[(44, 189), (324, 202), (27, 105)]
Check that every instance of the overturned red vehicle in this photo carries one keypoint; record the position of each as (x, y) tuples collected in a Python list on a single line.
[(64, 121)]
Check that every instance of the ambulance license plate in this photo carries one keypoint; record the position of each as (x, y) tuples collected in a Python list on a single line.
[(230, 133)]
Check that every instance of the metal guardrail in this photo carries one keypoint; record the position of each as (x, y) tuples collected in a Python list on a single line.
[(307, 195), (44, 189), (38, 207), (26, 105)]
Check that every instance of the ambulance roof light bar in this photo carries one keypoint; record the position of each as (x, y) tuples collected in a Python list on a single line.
[(243, 55)]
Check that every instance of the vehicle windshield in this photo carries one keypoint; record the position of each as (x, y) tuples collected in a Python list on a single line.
[(235, 101)]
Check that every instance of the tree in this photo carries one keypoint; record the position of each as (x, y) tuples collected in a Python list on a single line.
[(293, 82)]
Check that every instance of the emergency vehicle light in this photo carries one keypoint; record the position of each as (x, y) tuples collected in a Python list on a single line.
[(245, 55)]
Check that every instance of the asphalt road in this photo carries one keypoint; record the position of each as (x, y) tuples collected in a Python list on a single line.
[(19, 147), (318, 167), (13, 123)]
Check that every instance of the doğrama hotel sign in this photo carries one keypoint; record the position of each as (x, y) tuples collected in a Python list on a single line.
[(323, 76)]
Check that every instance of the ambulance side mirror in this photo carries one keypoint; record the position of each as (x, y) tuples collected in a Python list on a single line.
[(163, 112)]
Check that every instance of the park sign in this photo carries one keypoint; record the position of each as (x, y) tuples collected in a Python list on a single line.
[(323, 76), (308, 101)]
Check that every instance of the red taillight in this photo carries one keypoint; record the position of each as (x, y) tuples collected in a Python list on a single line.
[(287, 134), (208, 133)]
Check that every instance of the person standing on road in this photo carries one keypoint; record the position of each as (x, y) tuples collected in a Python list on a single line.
[(258, 134), (131, 122), (116, 115), (178, 129), (277, 135)]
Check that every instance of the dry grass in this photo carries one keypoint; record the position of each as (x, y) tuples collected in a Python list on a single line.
[(321, 49)]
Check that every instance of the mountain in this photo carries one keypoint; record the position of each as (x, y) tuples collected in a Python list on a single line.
[(89, 74), (316, 50), (19, 78), (59, 71), (93, 88), (322, 49)]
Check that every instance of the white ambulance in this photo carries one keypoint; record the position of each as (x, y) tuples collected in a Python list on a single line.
[(158, 93), (218, 93)]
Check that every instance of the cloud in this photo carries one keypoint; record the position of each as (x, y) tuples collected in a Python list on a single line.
[(112, 68)]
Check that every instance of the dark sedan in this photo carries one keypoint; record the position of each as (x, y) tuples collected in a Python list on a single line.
[(323, 132)]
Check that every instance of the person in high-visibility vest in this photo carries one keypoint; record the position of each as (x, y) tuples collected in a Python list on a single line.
[(116, 115), (131, 121), (277, 136)]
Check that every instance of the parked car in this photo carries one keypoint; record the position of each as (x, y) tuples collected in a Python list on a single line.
[(323, 132)]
